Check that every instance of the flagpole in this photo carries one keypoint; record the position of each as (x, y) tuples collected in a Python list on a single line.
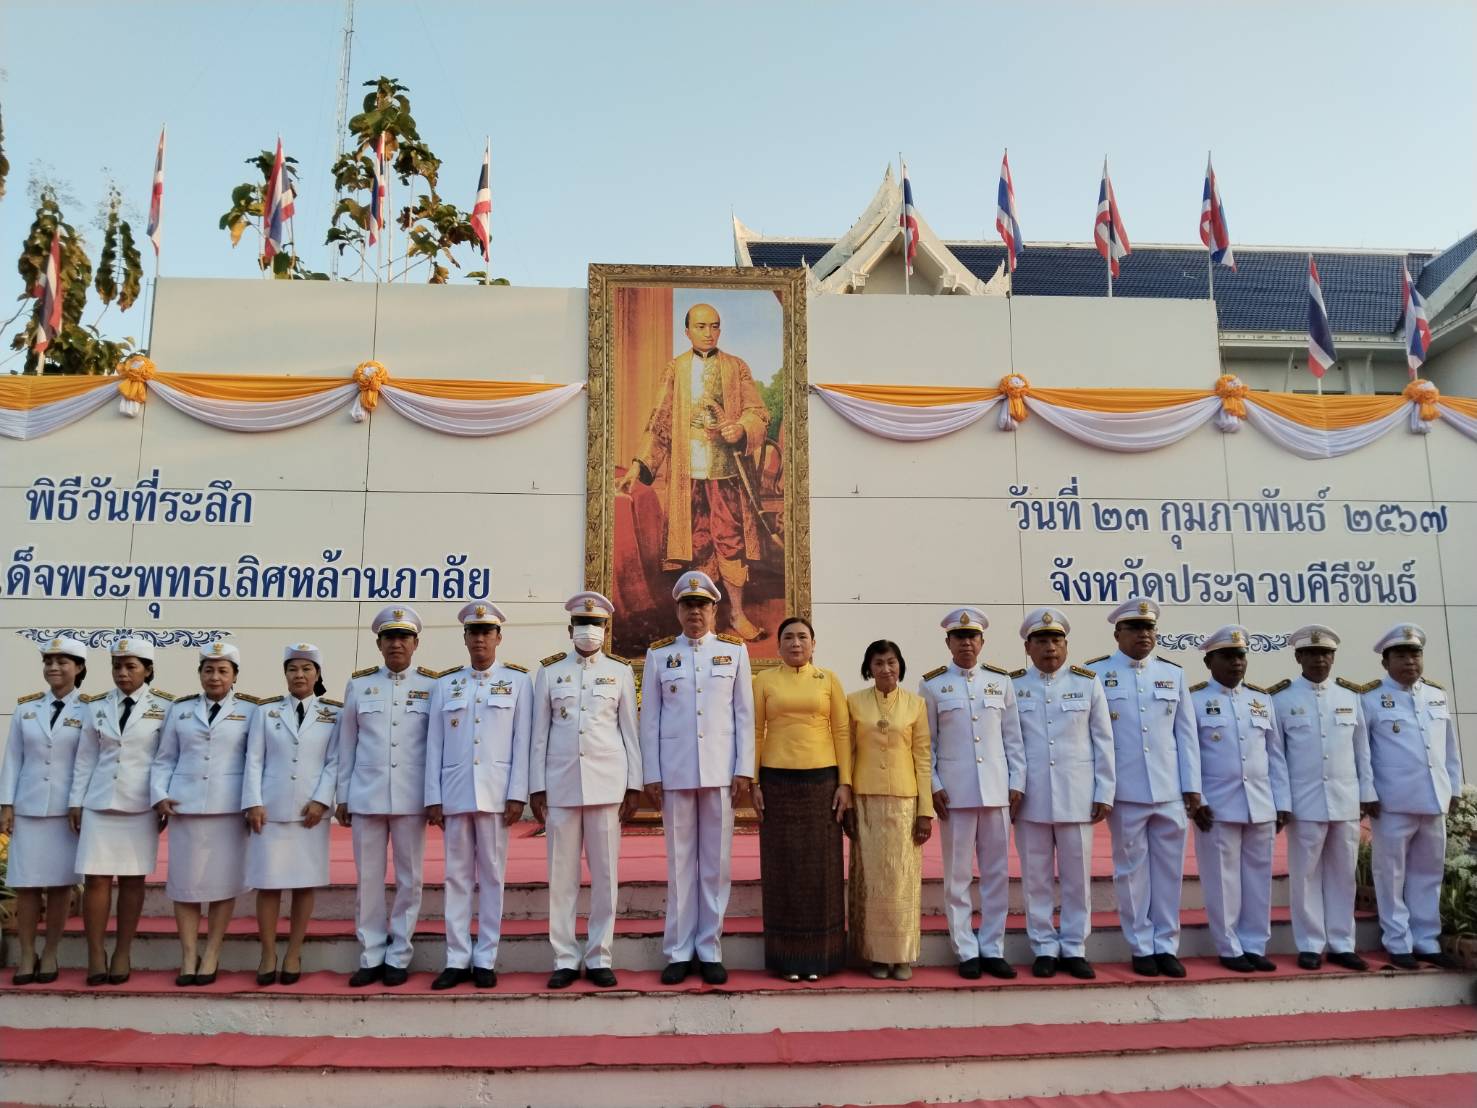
[(903, 222), (487, 248)]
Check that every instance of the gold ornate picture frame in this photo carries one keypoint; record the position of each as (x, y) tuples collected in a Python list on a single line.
[(733, 503)]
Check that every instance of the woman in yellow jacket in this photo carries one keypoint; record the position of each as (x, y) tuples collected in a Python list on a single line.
[(802, 791), (892, 814)]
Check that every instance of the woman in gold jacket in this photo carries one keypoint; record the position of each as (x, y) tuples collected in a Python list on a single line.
[(892, 814)]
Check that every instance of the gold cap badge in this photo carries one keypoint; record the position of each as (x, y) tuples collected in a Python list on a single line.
[(1143, 607), (1048, 620), (481, 609), (589, 604), (398, 613)]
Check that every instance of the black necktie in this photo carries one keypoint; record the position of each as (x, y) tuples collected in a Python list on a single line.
[(127, 711), (210, 715), (56, 710), (301, 712)]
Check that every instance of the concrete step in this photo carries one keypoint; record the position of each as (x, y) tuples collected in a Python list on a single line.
[(751, 1002), (883, 1066), (524, 945)]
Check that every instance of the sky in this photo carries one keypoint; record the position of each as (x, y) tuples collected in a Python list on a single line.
[(628, 132)]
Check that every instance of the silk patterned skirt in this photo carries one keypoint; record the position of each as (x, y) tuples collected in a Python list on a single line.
[(801, 869), (885, 890)]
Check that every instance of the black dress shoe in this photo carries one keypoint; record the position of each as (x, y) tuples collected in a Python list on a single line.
[(1169, 965), (602, 978), (184, 981), (395, 976), (96, 979), (484, 978), (268, 978), (23, 978), (969, 969), (1145, 966), (451, 977), (1439, 958), (674, 973), (1044, 966), (47, 977), (714, 973), (1404, 961), (286, 978), (122, 978), (1308, 960), (1348, 960), (1079, 968), (997, 967), (1261, 963), (563, 978), (1240, 964), (367, 975), (201, 978)]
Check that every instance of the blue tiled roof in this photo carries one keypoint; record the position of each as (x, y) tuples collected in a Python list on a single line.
[(1444, 264), (1267, 292)]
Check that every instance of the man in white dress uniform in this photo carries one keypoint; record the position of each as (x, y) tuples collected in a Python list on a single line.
[(584, 779), (382, 792), (1321, 727), (697, 744), (476, 786), (1417, 768), (979, 773), (1244, 779), (1069, 788), (1157, 761)]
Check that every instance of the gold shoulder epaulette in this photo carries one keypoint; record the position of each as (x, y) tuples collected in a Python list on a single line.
[(366, 671), (931, 674), (330, 700), (268, 699), (249, 698), (622, 661), (426, 671), (88, 698), (734, 639), (668, 641), (33, 696), (552, 658), (1017, 673), (1434, 684), (180, 699), (1095, 661), (1285, 683), (162, 695), (515, 665), (1083, 672), (1352, 686), (995, 669), (1197, 688), (442, 672), (1257, 688), (1370, 686), (1171, 661)]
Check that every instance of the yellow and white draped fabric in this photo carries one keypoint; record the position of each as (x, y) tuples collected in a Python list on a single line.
[(1137, 420), (34, 406)]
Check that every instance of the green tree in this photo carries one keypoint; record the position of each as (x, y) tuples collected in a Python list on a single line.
[(120, 270), (245, 213)]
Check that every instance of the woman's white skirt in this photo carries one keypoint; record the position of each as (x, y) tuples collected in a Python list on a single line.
[(207, 858), (118, 844), (288, 856), (43, 853)]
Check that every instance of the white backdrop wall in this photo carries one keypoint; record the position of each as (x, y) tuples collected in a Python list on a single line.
[(900, 532)]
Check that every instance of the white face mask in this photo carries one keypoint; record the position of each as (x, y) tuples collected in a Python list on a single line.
[(588, 637)]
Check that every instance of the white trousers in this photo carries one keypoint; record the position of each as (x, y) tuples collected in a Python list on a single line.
[(698, 824), (385, 937), (476, 854), (1408, 856), (1148, 868), (595, 831), (1047, 851), (1321, 855), (1236, 877), (968, 836)]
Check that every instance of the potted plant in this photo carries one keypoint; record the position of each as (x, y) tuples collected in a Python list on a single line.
[(1364, 899), (1459, 883), (7, 900)]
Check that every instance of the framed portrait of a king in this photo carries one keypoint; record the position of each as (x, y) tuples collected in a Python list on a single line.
[(697, 448)]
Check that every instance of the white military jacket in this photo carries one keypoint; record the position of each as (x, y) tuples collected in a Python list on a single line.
[(1242, 771), (585, 746), (697, 712), (36, 777), (288, 765), (200, 764), (978, 754), (382, 741), (1326, 746), (1069, 744), (1413, 748), (478, 739), (1154, 750), (111, 773)]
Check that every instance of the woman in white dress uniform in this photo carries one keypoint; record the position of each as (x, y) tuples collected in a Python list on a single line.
[(291, 772), (196, 783), (35, 785), (110, 806)]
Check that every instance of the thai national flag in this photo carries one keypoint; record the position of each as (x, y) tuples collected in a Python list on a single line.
[(1005, 218), (1417, 327), (379, 199), (275, 200), (482, 209), (49, 292), (156, 199), (908, 221), (1213, 230), (1108, 229), (1321, 354)]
